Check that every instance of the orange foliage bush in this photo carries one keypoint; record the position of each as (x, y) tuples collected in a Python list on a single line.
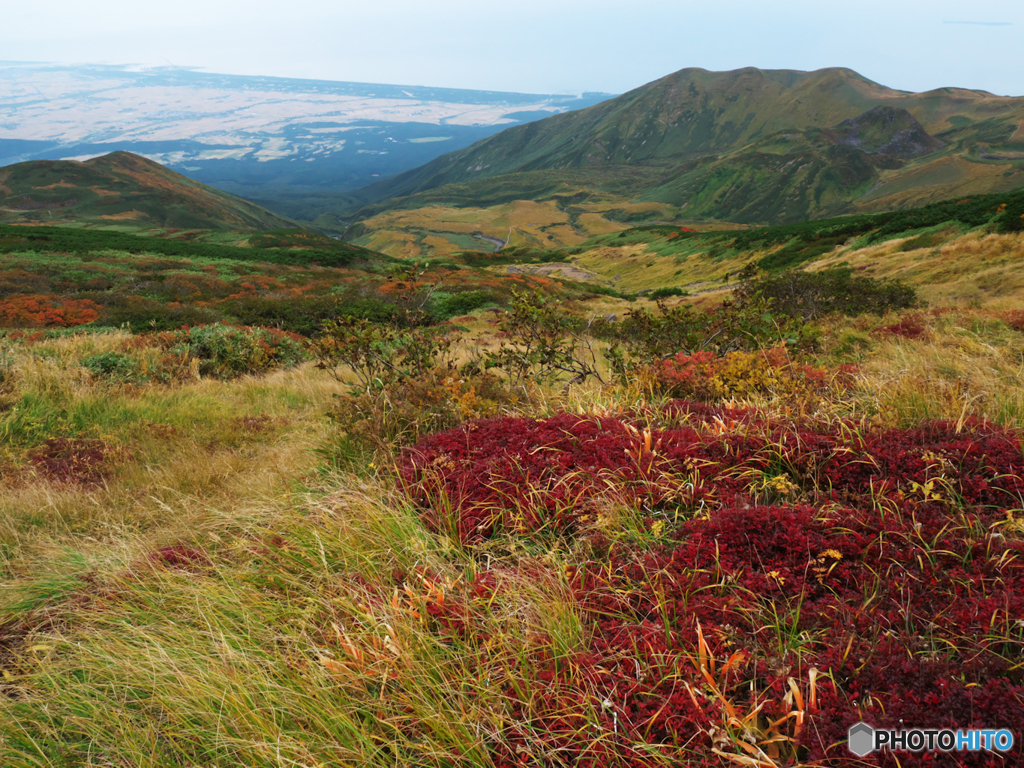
[(45, 311)]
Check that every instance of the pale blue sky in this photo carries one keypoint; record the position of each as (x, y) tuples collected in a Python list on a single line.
[(539, 46)]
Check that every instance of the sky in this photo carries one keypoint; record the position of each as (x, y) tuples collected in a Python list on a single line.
[(533, 46)]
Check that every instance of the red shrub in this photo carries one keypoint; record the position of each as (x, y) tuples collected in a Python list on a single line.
[(27, 338), (181, 556), (518, 473)]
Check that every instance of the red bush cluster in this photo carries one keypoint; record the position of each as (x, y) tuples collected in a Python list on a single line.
[(45, 311), (674, 235), (27, 338), (887, 560), (183, 556), (911, 620), (524, 474)]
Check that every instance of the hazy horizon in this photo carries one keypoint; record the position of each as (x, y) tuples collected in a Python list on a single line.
[(567, 46)]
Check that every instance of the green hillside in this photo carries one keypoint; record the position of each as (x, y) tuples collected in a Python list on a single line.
[(748, 146), (122, 188)]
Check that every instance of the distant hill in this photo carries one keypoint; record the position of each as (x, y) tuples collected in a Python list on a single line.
[(750, 146), (122, 188)]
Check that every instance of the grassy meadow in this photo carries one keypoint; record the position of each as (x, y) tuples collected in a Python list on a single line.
[(523, 534)]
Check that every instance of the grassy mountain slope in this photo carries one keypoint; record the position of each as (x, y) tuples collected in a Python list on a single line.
[(747, 146), (122, 188)]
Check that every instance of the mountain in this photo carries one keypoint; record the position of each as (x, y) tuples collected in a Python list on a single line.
[(285, 141), (122, 188), (750, 146)]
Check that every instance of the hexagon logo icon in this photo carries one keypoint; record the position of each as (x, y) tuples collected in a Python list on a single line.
[(861, 739)]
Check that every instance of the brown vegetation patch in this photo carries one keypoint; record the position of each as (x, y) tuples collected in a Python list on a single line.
[(180, 556), (259, 423), (163, 431), (75, 461), (132, 214), (561, 269), (909, 327)]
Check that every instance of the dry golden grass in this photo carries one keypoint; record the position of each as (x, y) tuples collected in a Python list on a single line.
[(975, 269), (173, 452), (966, 363), (123, 216), (285, 658), (596, 224), (635, 267), (393, 243)]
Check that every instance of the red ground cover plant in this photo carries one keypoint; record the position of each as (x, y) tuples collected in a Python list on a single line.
[(836, 573), (524, 474), (674, 235), (536, 478), (183, 556)]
